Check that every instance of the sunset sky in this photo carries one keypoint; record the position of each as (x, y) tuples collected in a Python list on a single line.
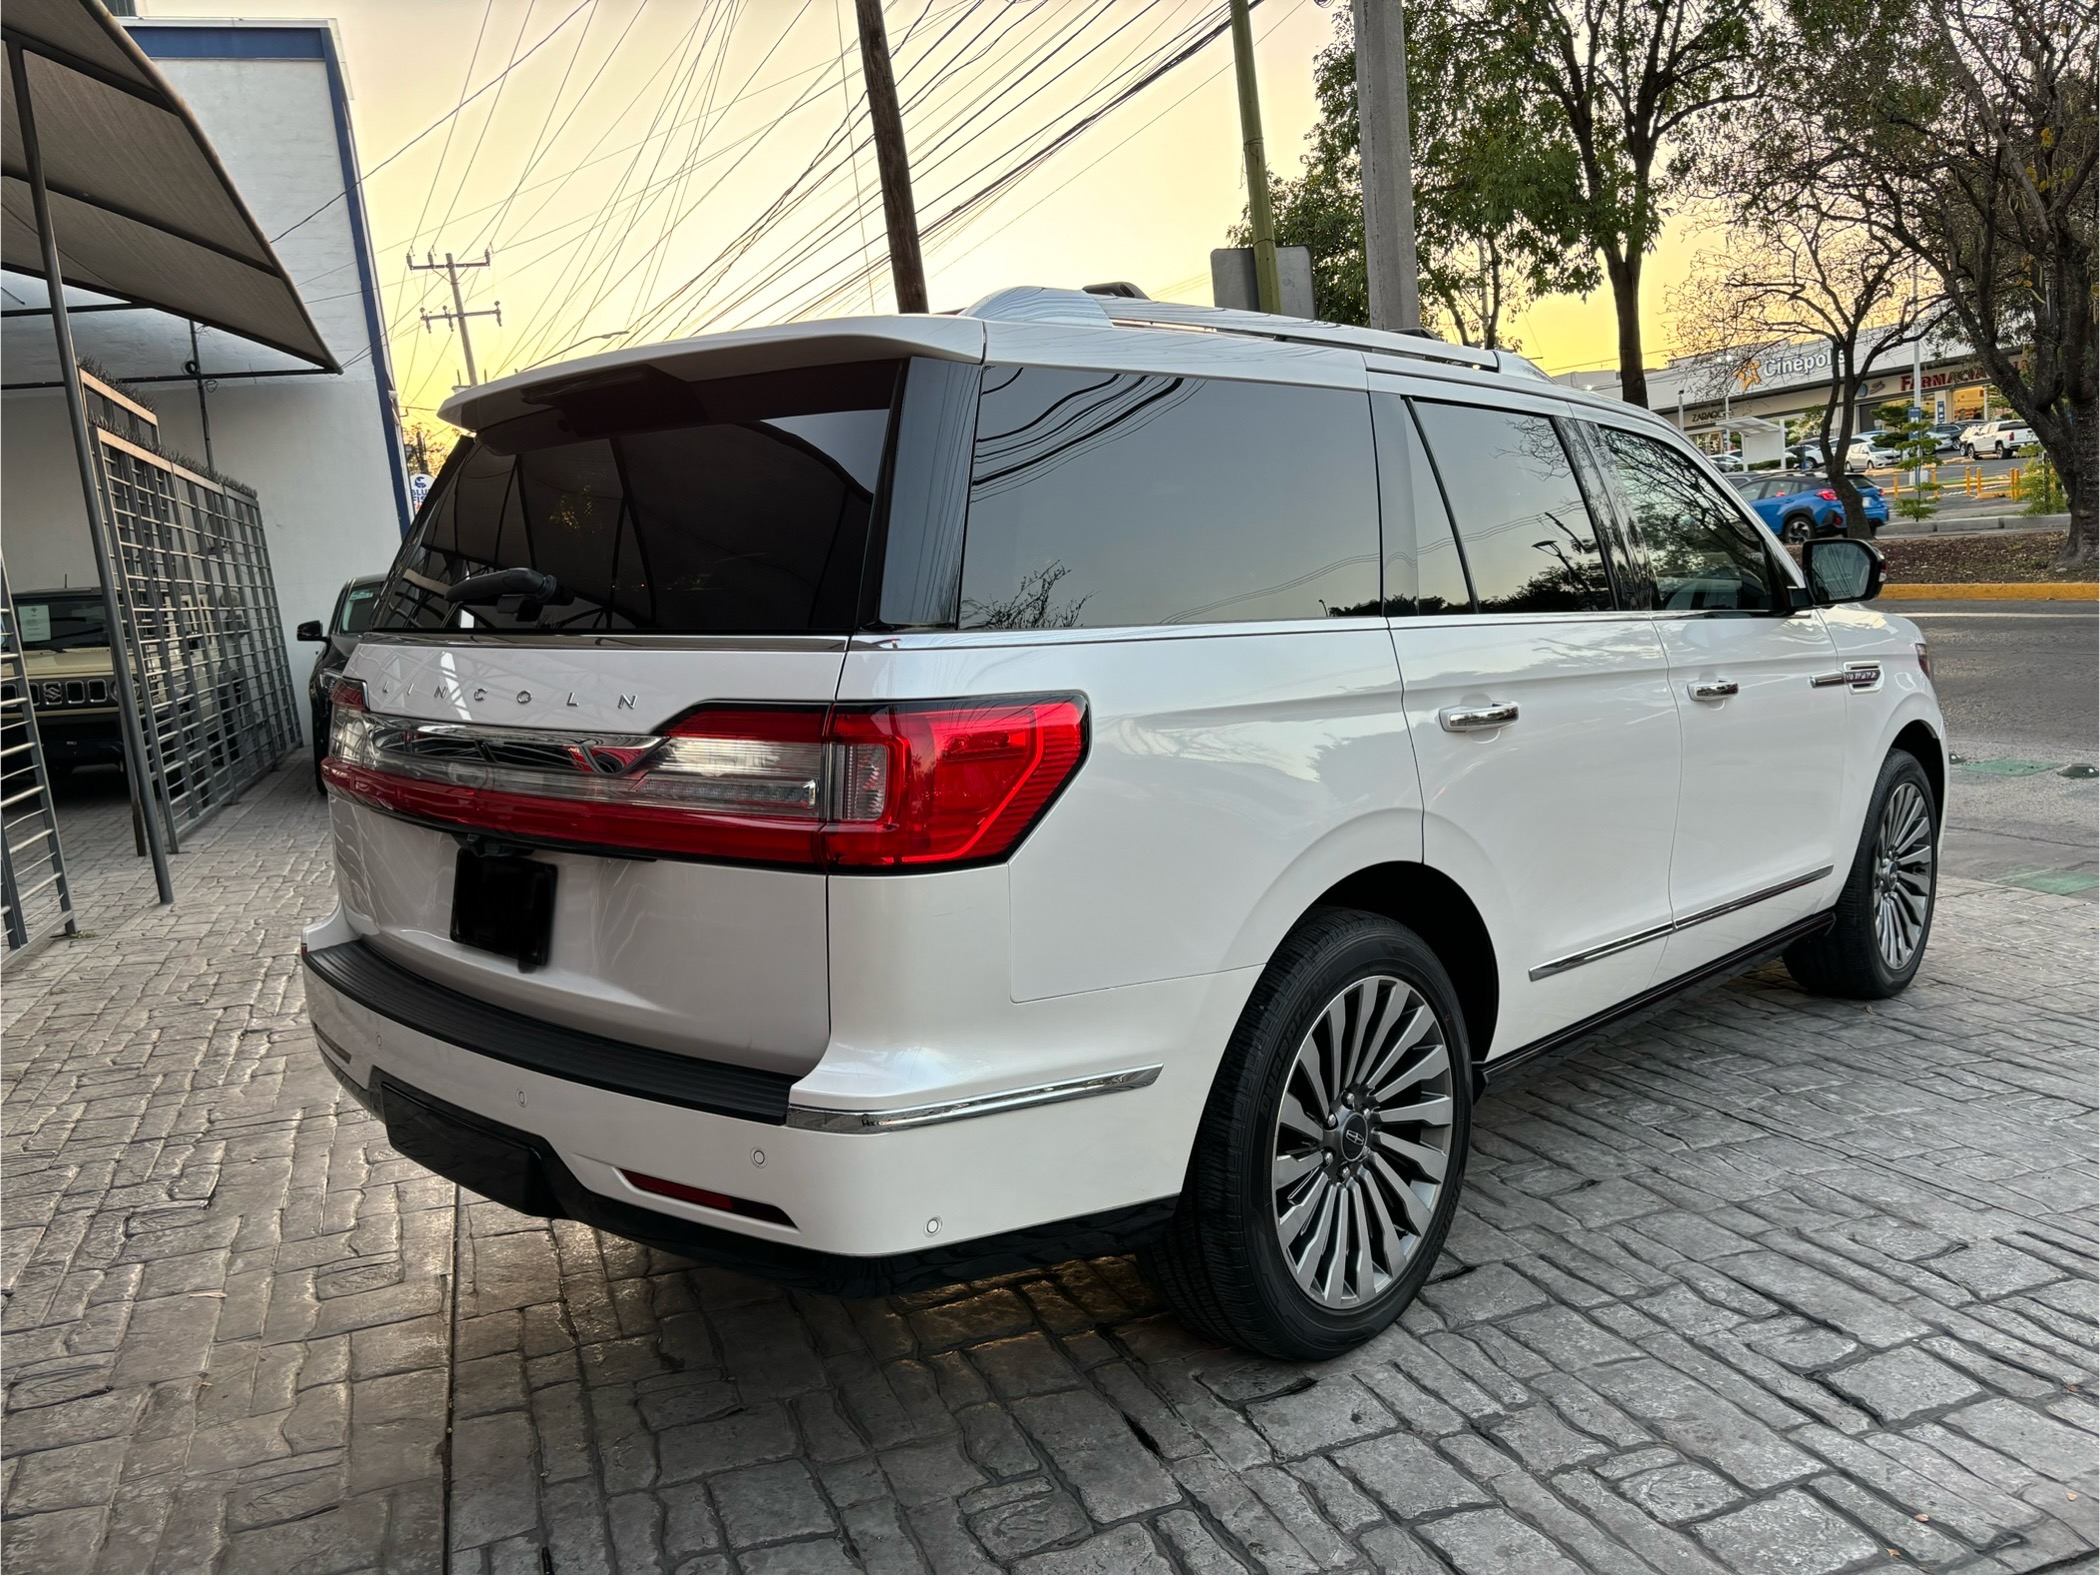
[(650, 168)]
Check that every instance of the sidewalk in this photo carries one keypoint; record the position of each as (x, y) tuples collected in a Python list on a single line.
[(1768, 1283)]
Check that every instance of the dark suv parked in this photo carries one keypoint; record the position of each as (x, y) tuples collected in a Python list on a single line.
[(352, 615)]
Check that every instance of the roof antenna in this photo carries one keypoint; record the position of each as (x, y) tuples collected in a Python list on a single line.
[(1123, 289)]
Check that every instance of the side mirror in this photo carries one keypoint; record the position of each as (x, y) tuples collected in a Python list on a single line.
[(1842, 569), (311, 630)]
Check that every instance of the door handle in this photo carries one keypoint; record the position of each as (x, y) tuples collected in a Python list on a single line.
[(1477, 719), (1713, 689)]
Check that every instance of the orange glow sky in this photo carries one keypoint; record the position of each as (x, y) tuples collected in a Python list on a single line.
[(691, 117)]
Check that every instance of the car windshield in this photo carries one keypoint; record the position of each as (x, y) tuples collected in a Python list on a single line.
[(59, 623), (358, 603)]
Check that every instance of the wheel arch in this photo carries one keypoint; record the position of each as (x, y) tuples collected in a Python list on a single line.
[(1437, 909), (1918, 740)]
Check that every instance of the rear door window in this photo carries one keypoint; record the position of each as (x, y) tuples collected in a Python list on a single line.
[(734, 507), (1121, 498), (1530, 544)]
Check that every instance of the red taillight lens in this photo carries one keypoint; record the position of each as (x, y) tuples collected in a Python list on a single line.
[(1827, 495), (960, 780), (907, 785)]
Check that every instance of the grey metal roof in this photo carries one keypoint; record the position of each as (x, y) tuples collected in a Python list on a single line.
[(141, 205)]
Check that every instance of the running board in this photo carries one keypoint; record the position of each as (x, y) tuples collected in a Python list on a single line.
[(1495, 1072)]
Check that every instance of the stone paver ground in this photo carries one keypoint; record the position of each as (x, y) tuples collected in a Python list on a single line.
[(1766, 1284)]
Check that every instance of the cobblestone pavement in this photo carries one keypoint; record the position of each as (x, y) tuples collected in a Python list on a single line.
[(1767, 1284)]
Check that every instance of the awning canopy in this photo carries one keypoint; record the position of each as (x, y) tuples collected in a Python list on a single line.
[(141, 206)]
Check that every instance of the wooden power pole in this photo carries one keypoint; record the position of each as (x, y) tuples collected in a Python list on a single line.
[(1390, 265), (1261, 218), (907, 269)]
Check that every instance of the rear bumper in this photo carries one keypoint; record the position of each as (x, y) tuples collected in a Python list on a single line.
[(525, 1172), (550, 1121)]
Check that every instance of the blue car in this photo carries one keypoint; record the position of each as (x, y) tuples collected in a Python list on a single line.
[(1797, 507)]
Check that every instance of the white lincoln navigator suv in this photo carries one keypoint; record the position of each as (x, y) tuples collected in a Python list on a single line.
[(882, 801)]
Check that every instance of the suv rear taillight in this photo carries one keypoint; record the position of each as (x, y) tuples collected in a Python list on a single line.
[(906, 785)]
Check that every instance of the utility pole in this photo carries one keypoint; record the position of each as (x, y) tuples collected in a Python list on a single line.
[(459, 313), (907, 268), (1390, 264), (1268, 288)]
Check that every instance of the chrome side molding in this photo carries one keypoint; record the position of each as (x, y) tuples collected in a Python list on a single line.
[(823, 1119), (1653, 932)]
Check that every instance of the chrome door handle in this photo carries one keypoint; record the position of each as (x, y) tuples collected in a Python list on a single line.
[(1477, 719), (1713, 689)]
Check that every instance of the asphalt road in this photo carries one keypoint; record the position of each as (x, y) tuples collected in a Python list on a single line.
[(2020, 685)]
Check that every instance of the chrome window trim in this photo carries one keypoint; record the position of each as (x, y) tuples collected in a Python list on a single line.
[(825, 1119), (1656, 932), (640, 640)]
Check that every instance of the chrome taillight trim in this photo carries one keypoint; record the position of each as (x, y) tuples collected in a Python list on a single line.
[(825, 1119)]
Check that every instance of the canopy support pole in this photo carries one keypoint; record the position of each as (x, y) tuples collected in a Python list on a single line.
[(129, 725)]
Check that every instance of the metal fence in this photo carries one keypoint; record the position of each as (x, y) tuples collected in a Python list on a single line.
[(201, 605), (36, 896)]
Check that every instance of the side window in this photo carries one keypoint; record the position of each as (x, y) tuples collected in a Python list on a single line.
[(1117, 498), (1423, 572), (1704, 554), (1529, 542)]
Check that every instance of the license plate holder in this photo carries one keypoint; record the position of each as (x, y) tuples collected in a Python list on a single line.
[(503, 903)]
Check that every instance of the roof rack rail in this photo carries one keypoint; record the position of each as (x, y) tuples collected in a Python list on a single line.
[(1305, 331), (1093, 305)]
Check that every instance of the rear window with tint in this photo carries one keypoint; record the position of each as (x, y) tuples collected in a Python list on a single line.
[(1119, 498), (1529, 543), (735, 507)]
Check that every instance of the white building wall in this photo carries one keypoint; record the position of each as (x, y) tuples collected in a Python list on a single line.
[(318, 451)]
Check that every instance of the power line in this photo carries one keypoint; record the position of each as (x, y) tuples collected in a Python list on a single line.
[(1151, 64), (444, 119)]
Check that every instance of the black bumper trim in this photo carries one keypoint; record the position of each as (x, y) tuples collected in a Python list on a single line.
[(380, 985), (522, 1171)]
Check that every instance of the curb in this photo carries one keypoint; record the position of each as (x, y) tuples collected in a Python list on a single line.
[(1995, 591)]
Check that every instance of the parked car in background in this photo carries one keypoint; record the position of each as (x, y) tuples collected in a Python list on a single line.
[(66, 664), (920, 816), (1870, 450), (1796, 508), (1997, 439), (1728, 460), (1946, 437), (337, 639)]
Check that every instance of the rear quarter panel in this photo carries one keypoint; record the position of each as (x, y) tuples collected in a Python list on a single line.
[(1230, 778)]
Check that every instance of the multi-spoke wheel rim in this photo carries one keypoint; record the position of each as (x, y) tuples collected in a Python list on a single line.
[(1362, 1141), (1902, 876)]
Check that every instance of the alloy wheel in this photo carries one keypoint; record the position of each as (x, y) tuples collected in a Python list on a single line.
[(1362, 1141), (1902, 876)]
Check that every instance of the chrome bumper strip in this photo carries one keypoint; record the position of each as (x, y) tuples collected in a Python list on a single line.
[(1654, 932), (822, 1119)]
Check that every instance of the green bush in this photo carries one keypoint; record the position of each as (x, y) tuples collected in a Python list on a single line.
[(2040, 486)]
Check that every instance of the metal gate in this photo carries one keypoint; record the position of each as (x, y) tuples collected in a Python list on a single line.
[(215, 693), (35, 895)]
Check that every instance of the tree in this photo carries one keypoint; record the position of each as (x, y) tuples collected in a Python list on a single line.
[(1635, 87), (1494, 226), (1802, 263), (1968, 133)]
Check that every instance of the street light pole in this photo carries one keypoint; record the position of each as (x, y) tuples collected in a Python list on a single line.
[(1391, 268), (1261, 218), (892, 162)]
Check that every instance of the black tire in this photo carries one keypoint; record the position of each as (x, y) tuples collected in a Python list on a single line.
[(1797, 528), (1849, 959), (1221, 1264)]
